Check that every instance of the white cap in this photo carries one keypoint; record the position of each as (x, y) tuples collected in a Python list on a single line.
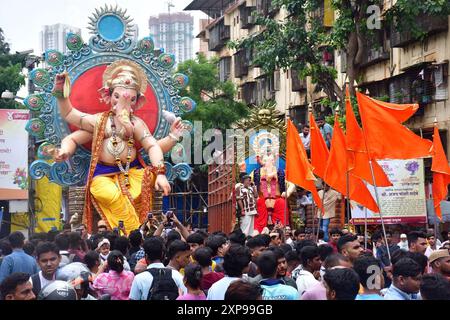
[(403, 236), (104, 241)]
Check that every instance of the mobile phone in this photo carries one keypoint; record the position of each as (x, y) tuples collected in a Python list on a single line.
[(169, 215), (149, 216), (278, 221), (116, 230), (121, 224)]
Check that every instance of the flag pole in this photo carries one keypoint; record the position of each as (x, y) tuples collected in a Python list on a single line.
[(285, 185), (376, 189), (365, 228)]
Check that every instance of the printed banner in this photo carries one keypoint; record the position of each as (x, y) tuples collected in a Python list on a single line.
[(404, 202), (13, 154)]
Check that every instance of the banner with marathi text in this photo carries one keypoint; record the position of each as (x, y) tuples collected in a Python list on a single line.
[(405, 201), (13, 154)]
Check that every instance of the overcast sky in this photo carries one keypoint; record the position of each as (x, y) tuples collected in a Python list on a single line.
[(22, 20)]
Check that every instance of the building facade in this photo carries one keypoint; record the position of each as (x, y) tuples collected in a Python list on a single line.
[(174, 33), (396, 68), (54, 36)]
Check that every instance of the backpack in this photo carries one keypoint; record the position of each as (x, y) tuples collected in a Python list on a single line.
[(163, 286)]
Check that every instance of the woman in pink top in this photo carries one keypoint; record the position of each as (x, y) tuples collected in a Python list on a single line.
[(192, 279), (116, 282)]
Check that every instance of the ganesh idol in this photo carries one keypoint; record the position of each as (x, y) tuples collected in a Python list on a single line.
[(119, 183)]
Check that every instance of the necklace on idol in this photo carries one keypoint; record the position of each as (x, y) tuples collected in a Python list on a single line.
[(116, 153)]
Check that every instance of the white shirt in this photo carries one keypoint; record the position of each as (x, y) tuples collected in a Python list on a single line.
[(430, 250), (403, 245), (306, 140), (304, 281), (44, 282), (218, 289), (143, 281)]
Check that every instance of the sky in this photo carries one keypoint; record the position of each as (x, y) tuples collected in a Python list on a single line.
[(22, 20)]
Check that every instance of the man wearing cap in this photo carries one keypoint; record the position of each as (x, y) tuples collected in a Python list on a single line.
[(403, 244), (440, 262), (246, 196)]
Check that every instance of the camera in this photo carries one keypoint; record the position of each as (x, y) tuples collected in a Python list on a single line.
[(169, 216), (149, 216)]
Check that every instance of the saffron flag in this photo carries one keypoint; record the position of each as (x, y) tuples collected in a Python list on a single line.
[(336, 172), (401, 112), (441, 173), (358, 159), (298, 169), (386, 138), (319, 149)]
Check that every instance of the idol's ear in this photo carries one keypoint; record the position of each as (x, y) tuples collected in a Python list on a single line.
[(105, 95), (140, 102)]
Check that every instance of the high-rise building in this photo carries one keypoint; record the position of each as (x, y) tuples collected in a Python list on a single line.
[(174, 33), (54, 37)]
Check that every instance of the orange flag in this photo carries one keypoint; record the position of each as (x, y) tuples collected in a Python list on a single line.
[(336, 172), (358, 159), (441, 173), (298, 168), (401, 112), (387, 138), (319, 149)]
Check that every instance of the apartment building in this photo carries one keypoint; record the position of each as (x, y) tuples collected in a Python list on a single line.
[(396, 67)]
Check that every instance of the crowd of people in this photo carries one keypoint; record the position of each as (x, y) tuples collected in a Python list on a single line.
[(166, 260)]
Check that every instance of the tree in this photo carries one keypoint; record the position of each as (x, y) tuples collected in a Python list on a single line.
[(216, 106), (11, 77), (300, 41)]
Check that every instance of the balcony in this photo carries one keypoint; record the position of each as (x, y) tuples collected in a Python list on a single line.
[(375, 48), (428, 24), (246, 17), (297, 83), (264, 8), (218, 36), (249, 95), (242, 60), (224, 69)]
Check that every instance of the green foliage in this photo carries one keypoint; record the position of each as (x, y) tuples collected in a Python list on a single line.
[(216, 107), (11, 77), (4, 46)]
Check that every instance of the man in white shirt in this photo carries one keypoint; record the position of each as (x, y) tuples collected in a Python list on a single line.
[(48, 259), (403, 244), (306, 139), (236, 260), (432, 245), (310, 272), (154, 254)]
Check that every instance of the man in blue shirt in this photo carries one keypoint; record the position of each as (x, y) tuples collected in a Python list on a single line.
[(273, 288), (18, 260), (326, 130), (406, 281)]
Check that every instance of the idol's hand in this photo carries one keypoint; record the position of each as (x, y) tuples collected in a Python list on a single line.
[(162, 184), (177, 128), (58, 88), (60, 155)]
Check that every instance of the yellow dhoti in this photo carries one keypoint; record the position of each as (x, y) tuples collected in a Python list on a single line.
[(113, 204)]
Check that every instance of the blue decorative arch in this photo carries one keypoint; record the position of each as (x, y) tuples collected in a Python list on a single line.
[(112, 39)]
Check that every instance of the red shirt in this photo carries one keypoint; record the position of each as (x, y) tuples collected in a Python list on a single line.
[(210, 278), (334, 246)]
